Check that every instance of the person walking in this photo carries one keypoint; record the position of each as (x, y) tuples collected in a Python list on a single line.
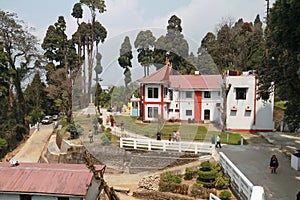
[(122, 125), (218, 144), (174, 136), (91, 136), (274, 164)]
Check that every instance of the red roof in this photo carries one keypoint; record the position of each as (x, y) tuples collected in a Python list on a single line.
[(161, 75), (65, 179), (183, 81), (196, 81)]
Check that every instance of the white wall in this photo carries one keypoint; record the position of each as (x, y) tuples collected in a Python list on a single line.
[(243, 116), (186, 104), (211, 104)]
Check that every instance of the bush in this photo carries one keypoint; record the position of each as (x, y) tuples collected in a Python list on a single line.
[(189, 173), (108, 135), (169, 177), (108, 129), (222, 183), (207, 175), (225, 195), (106, 138), (105, 141), (174, 187), (73, 129), (171, 183), (198, 191), (206, 166)]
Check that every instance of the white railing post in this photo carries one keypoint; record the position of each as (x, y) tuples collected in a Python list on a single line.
[(149, 145), (121, 142), (179, 145), (164, 146), (134, 144), (196, 148)]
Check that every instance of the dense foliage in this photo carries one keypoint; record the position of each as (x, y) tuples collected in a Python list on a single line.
[(282, 66), (18, 51)]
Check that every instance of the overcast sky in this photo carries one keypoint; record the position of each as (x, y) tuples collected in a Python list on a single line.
[(128, 17)]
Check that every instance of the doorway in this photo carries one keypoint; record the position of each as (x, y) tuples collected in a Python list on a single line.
[(206, 114)]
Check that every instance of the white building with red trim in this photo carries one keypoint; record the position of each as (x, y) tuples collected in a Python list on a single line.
[(245, 112), (198, 98), (190, 98)]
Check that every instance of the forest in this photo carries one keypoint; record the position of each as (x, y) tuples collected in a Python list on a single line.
[(62, 73)]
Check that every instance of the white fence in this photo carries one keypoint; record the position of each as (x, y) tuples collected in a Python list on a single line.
[(213, 197), (238, 180), (165, 145)]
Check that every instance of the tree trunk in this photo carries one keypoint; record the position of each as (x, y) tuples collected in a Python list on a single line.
[(84, 79)]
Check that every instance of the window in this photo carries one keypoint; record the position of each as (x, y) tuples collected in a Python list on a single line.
[(177, 110), (206, 94), (188, 112), (62, 198), (152, 112), (240, 93), (170, 110), (165, 92), (247, 113), (25, 197), (189, 94), (153, 93), (171, 94)]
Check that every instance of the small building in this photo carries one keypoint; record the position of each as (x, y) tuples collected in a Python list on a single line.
[(245, 111), (41, 181)]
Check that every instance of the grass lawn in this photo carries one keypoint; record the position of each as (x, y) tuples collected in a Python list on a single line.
[(188, 132)]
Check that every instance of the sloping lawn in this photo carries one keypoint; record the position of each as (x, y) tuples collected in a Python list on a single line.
[(188, 132)]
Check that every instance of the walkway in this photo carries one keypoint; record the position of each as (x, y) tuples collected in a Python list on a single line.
[(34, 146), (253, 161)]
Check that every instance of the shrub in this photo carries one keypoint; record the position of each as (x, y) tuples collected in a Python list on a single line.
[(207, 175), (169, 177), (222, 183), (199, 191), (171, 183), (173, 187), (102, 128), (108, 135), (225, 195), (189, 173), (108, 129), (105, 140), (206, 166)]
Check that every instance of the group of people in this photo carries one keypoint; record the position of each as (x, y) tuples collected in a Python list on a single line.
[(174, 138), (110, 120)]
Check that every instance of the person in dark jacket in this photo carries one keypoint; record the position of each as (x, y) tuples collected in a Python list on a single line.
[(274, 164)]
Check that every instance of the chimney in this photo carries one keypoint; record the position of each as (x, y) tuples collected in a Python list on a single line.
[(197, 73)]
